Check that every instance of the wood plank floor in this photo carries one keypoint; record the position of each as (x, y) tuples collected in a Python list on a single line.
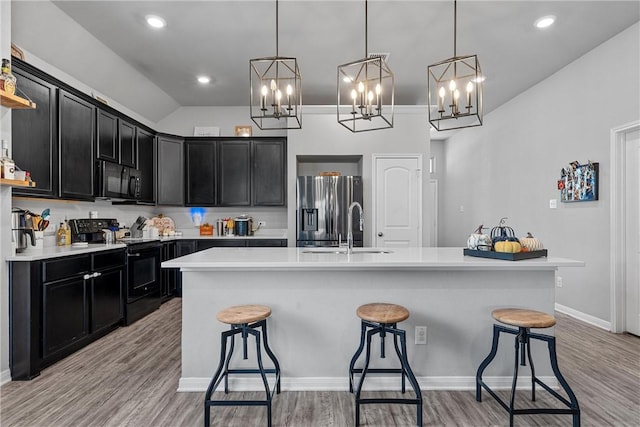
[(129, 379)]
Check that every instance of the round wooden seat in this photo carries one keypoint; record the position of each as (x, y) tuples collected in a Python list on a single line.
[(382, 313), (239, 314), (523, 318)]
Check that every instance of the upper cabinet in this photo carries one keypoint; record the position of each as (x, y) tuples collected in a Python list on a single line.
[(76, 133), (269, 173), (34, 135), (170, 182), (127, 143), (107, 146), (234, 187), (146, 143), (235, 172), (200, 162)]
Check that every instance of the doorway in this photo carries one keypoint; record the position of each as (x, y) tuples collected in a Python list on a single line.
[(397, 200), (625, 229)]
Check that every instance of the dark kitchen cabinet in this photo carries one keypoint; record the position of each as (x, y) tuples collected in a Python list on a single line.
[(76, 145), (59, 305), (169, 276), (170, 176), (34, 135), (107, 146), (203, 244), (269, 173), (234, 186), (65, 314), (146, 143), (127, 143), (200, 172), (280, 243), (107, 289)]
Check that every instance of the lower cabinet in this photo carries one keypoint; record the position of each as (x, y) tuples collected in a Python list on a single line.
[(59, 305), (169, 276)]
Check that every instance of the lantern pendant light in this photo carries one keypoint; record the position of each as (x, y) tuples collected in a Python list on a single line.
[(365, 91), (455, 89), (276, 91)]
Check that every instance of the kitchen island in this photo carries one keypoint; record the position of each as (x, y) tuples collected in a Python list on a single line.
[(314, 294)]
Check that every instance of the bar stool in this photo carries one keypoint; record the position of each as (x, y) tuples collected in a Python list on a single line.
[(382, 319), (244, 320), (525, 319)]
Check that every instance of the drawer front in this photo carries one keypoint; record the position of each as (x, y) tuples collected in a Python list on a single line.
[(267, 242), (60, 268), (108, 259)]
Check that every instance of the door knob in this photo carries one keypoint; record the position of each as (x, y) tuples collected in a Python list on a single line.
[(380, 234)]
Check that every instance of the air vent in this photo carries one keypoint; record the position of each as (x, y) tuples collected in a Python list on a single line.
[(383, 55)]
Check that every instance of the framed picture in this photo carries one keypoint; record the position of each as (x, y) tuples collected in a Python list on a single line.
[(206, 131), (243, 130), (578, 183)]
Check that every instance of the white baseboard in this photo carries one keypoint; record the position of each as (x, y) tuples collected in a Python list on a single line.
[(587, 318), (5, 377), (378, 384)]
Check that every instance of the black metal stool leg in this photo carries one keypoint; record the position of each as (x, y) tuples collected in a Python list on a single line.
[(533, 371), (404, 372), (216, 379), (365, 368), (354, 359), (487, 361), (272, 356), (412, 379), (573, 405), (515, 377), (226, 363)]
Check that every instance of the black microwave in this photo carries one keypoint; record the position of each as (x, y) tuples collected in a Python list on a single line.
[(117, 182)]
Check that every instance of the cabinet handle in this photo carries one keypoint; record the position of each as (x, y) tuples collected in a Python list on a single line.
[(97, 274), (87, 276)]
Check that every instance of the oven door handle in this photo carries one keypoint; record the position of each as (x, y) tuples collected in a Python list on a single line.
[(136, 254)]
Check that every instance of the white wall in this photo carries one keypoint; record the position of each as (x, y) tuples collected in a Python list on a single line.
[(321, 135), (509, 166)]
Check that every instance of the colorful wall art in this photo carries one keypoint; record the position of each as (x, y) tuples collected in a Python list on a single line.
[(579, 183)]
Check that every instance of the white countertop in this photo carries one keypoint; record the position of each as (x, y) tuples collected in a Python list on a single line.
[(263, 259), (32, 254)]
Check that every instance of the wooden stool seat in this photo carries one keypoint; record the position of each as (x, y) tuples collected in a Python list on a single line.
[(523, 318), (382, 313), (240, 314)]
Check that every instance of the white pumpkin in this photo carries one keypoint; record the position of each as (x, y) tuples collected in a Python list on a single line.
[(479, 241), (531, 243)]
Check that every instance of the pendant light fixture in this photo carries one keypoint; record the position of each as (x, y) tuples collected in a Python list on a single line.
[(455, 89), (365, 91), (276, 91)]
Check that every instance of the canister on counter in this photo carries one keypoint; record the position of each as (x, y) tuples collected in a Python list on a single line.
[(220, 227)]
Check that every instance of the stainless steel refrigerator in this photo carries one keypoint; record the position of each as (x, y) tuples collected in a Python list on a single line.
[(323, 203)]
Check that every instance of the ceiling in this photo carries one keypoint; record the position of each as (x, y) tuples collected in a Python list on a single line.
[(217, 39)]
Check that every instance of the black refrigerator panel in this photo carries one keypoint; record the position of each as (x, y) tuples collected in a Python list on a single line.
[(322, 209)]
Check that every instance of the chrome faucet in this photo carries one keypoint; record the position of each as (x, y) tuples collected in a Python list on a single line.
[(350, 225)]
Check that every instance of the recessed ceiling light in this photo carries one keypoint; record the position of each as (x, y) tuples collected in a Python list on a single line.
[(203, 79), (155, 21), (545, 21)]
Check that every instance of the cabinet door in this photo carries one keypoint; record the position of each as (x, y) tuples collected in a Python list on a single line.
[(200, 171), (107, 136), (170, 171), (127, 142), (267, 242), (268, 173), (185, 247), (147, 165), (217, 243), (77, 124), (168, 275), (65, 313), (106, 299), (234, 184), (34, 135)]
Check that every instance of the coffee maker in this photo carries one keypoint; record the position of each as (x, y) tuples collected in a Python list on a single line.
[(21, 227)]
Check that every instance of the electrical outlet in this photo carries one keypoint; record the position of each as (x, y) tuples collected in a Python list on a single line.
[(559, 281), (262, 223), (421, 334)]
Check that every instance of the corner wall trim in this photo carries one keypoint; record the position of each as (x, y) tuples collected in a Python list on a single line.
[(5, 377), (587, 318)]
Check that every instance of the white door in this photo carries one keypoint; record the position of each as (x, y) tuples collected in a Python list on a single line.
[(632, 247), (397, 194)]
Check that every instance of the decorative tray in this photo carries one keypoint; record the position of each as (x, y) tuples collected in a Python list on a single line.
[(505, 255)]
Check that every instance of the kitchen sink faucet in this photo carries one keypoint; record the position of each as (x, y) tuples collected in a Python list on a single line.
[(350, 225)]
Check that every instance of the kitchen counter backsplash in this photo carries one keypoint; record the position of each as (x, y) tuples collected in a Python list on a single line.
[(275, 218)]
